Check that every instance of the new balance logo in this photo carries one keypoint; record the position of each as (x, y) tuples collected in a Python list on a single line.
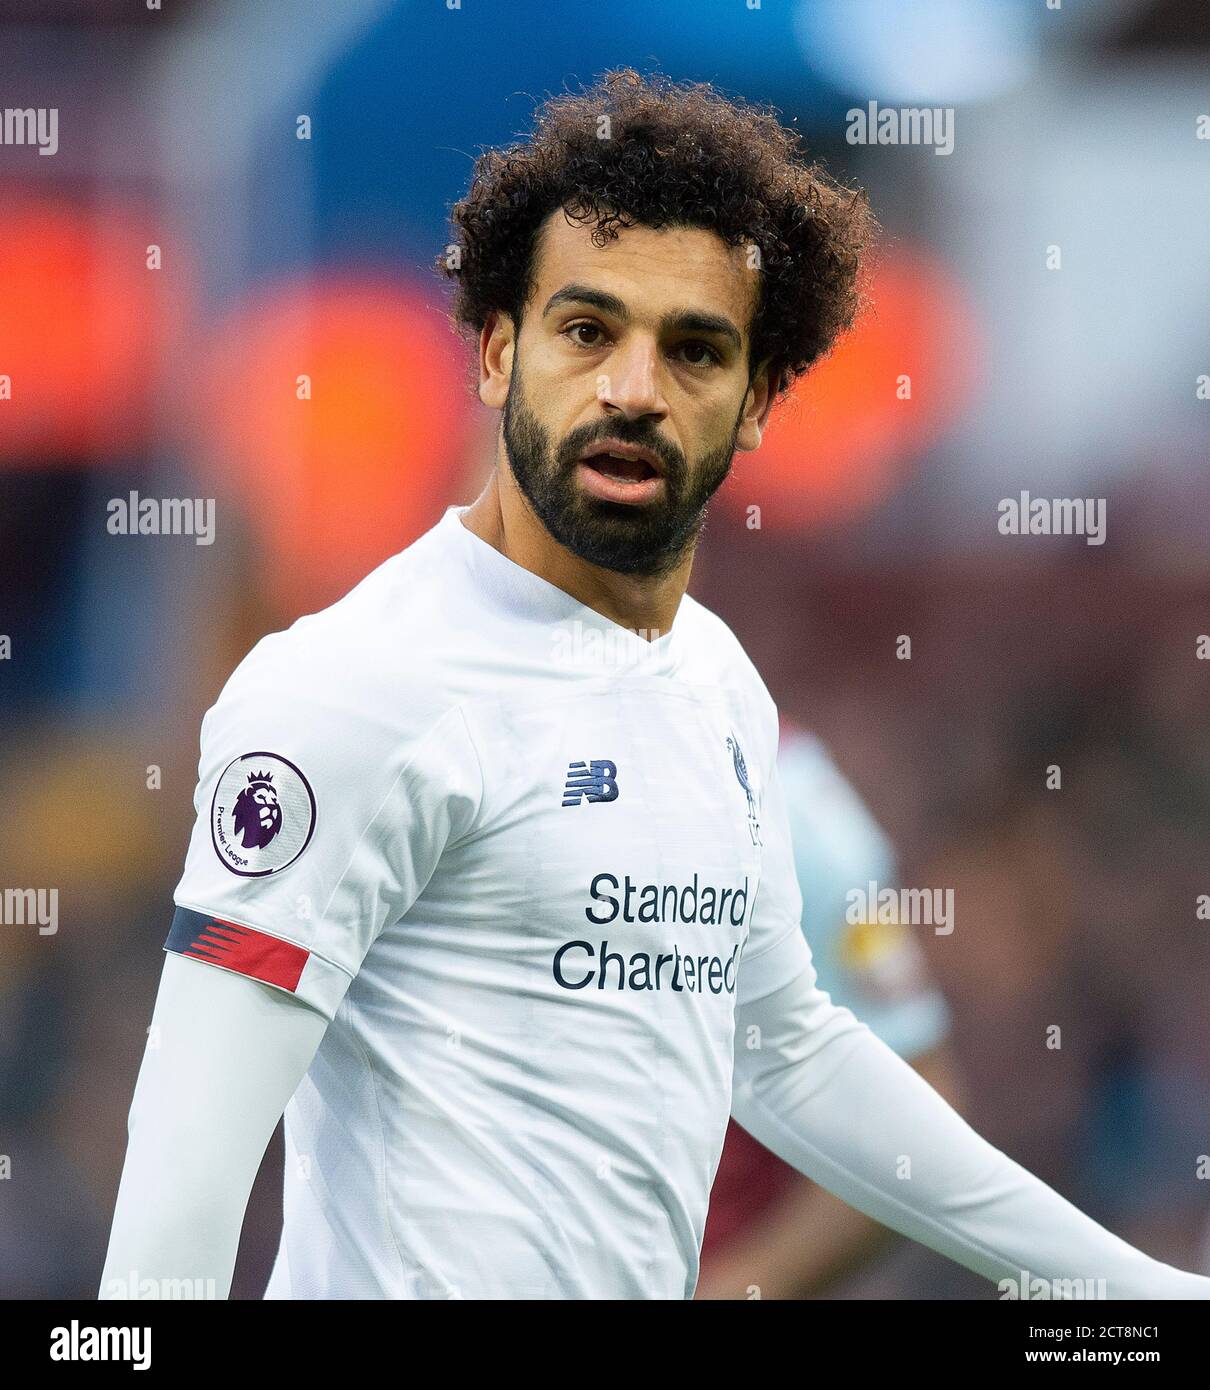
[(596, 781)]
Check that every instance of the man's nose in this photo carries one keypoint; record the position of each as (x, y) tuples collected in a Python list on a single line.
[(631, 381)]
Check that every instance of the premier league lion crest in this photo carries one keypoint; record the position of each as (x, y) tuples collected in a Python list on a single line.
[(263, 815), (257, 811)]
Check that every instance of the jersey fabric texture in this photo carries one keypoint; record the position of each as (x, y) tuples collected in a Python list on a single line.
[(527, 864), (876, 969)]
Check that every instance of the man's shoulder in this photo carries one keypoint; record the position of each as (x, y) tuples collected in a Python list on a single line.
[(369, 662), (717, 654)]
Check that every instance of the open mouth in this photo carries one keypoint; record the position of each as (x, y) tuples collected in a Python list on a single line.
[(620, 469), (615, 471)]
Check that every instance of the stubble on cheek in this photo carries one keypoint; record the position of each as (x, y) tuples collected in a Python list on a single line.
[(628, 538)]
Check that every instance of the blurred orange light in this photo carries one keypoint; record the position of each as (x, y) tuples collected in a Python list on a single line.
[(83, 326), (844, 440), (334, 484)]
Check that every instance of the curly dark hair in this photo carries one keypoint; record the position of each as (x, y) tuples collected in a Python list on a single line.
[(671, 154)]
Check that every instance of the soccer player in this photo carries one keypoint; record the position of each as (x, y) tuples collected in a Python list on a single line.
[(491, 887), (770, 1230)]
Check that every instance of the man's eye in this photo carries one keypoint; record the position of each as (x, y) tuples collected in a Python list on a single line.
[(698, 354), (575, 330)]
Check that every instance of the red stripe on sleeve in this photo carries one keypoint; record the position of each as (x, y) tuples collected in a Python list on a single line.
[(248, 952)]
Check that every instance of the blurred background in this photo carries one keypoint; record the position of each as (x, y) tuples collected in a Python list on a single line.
[(183, 256)]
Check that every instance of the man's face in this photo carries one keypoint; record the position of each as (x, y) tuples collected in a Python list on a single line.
[(641, 344)]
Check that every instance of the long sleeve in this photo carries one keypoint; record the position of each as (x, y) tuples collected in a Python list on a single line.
[(818, 1088), (224, 1056)]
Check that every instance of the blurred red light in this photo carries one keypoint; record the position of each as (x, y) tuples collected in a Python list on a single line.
[(845, 440), (84, 325), (334, 484)]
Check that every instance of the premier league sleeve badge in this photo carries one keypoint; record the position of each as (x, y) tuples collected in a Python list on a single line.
[(262, 816)]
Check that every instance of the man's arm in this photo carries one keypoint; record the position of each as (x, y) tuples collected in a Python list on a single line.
[(809, 1238), (800, 1244), (819, 1089), (224, 1055)]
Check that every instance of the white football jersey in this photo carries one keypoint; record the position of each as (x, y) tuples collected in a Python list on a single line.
[(526, 863)]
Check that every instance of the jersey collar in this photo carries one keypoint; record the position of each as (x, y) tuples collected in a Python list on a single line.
[(579, 636)]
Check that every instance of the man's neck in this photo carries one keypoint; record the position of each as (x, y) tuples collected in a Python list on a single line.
[(502, 517)]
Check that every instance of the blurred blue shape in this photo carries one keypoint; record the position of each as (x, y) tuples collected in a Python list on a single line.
[(933, 51), (401, 116)]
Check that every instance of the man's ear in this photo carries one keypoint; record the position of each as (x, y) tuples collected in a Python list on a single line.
[(497, 343), (757, 404)]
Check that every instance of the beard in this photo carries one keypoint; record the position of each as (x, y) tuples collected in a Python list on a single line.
[(645, 539)]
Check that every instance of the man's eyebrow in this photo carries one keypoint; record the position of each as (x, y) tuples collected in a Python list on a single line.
[(678, 320), (585, 294), (699, 321)]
